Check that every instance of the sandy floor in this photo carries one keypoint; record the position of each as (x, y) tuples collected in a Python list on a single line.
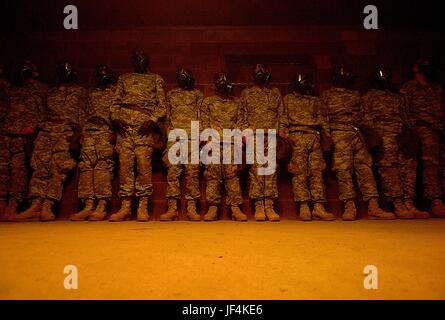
[(223, 260)]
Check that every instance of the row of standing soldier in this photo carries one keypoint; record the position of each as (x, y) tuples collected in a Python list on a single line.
[(127, 118)]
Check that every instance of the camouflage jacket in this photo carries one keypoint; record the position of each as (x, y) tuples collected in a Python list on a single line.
[(67, 106), (304, 113), (26, 107), (262, 107), (183, 106), (146, 91), (100, 102), (345, 108), (424, 103), (222, 113), (385, 110)]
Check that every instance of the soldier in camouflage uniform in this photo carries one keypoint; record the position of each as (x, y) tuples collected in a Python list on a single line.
[(139, 105), (304, 119), (183, 106), (345, 114), (96, 161), (425, 110), (219, 112), (387, 113), (26, 109), (51, 161), (262, 107)]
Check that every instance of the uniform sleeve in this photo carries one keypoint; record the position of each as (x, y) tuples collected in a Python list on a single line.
[(322, 114), (282, 113), (284, 118), (205, 114), (244, 108), (241, 121), (85, 110), (116, 106), (161, 108), (368, 117)]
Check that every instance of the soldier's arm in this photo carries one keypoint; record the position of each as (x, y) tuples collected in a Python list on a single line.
[(85, 109), (367, 114), (283, 120), (161, 108), (241, 121), (205, 114), (323, 120), (116, 106)]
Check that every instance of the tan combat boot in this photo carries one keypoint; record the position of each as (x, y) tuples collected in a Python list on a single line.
[(30, 214), (11, 209), (192, 214), (142, 214), (3, 216), (418, 214), (401, 211), (47, 211), (350, 213), (438, 209), (260, 214), (172, 211), (212, 214), (85, 213), (375, 212), (320, 213), (100, 213), (237, 214), (270, 212), (305, 212), (124, 212)]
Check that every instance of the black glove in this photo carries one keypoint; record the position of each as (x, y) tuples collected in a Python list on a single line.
[(146, 128)]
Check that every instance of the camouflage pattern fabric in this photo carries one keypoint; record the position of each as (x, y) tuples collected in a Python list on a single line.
[(351, 156)]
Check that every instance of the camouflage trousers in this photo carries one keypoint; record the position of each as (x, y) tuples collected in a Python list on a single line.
[(174, 172), (13, 169), (133, 148), (51, 162), (217, 174), (96, 166), (307, 166), (351, 157), (262, 186), (430, 146), (397, 172)]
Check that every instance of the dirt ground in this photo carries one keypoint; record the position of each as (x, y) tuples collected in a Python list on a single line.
[(223, 260)]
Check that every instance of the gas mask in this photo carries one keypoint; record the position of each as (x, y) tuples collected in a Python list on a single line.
[(104, 76), (66, 73), (222, 84), (303, 85), (381, 79), (342, 78), (261, 75), (140, 62), (185, 79)]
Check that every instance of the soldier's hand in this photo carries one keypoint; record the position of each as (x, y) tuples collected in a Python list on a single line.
[(120, 126), (27, 131), (146, 128)]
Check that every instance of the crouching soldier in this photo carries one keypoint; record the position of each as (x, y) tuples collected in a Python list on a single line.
[(220, 112), (96, 162), (305, 123)]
